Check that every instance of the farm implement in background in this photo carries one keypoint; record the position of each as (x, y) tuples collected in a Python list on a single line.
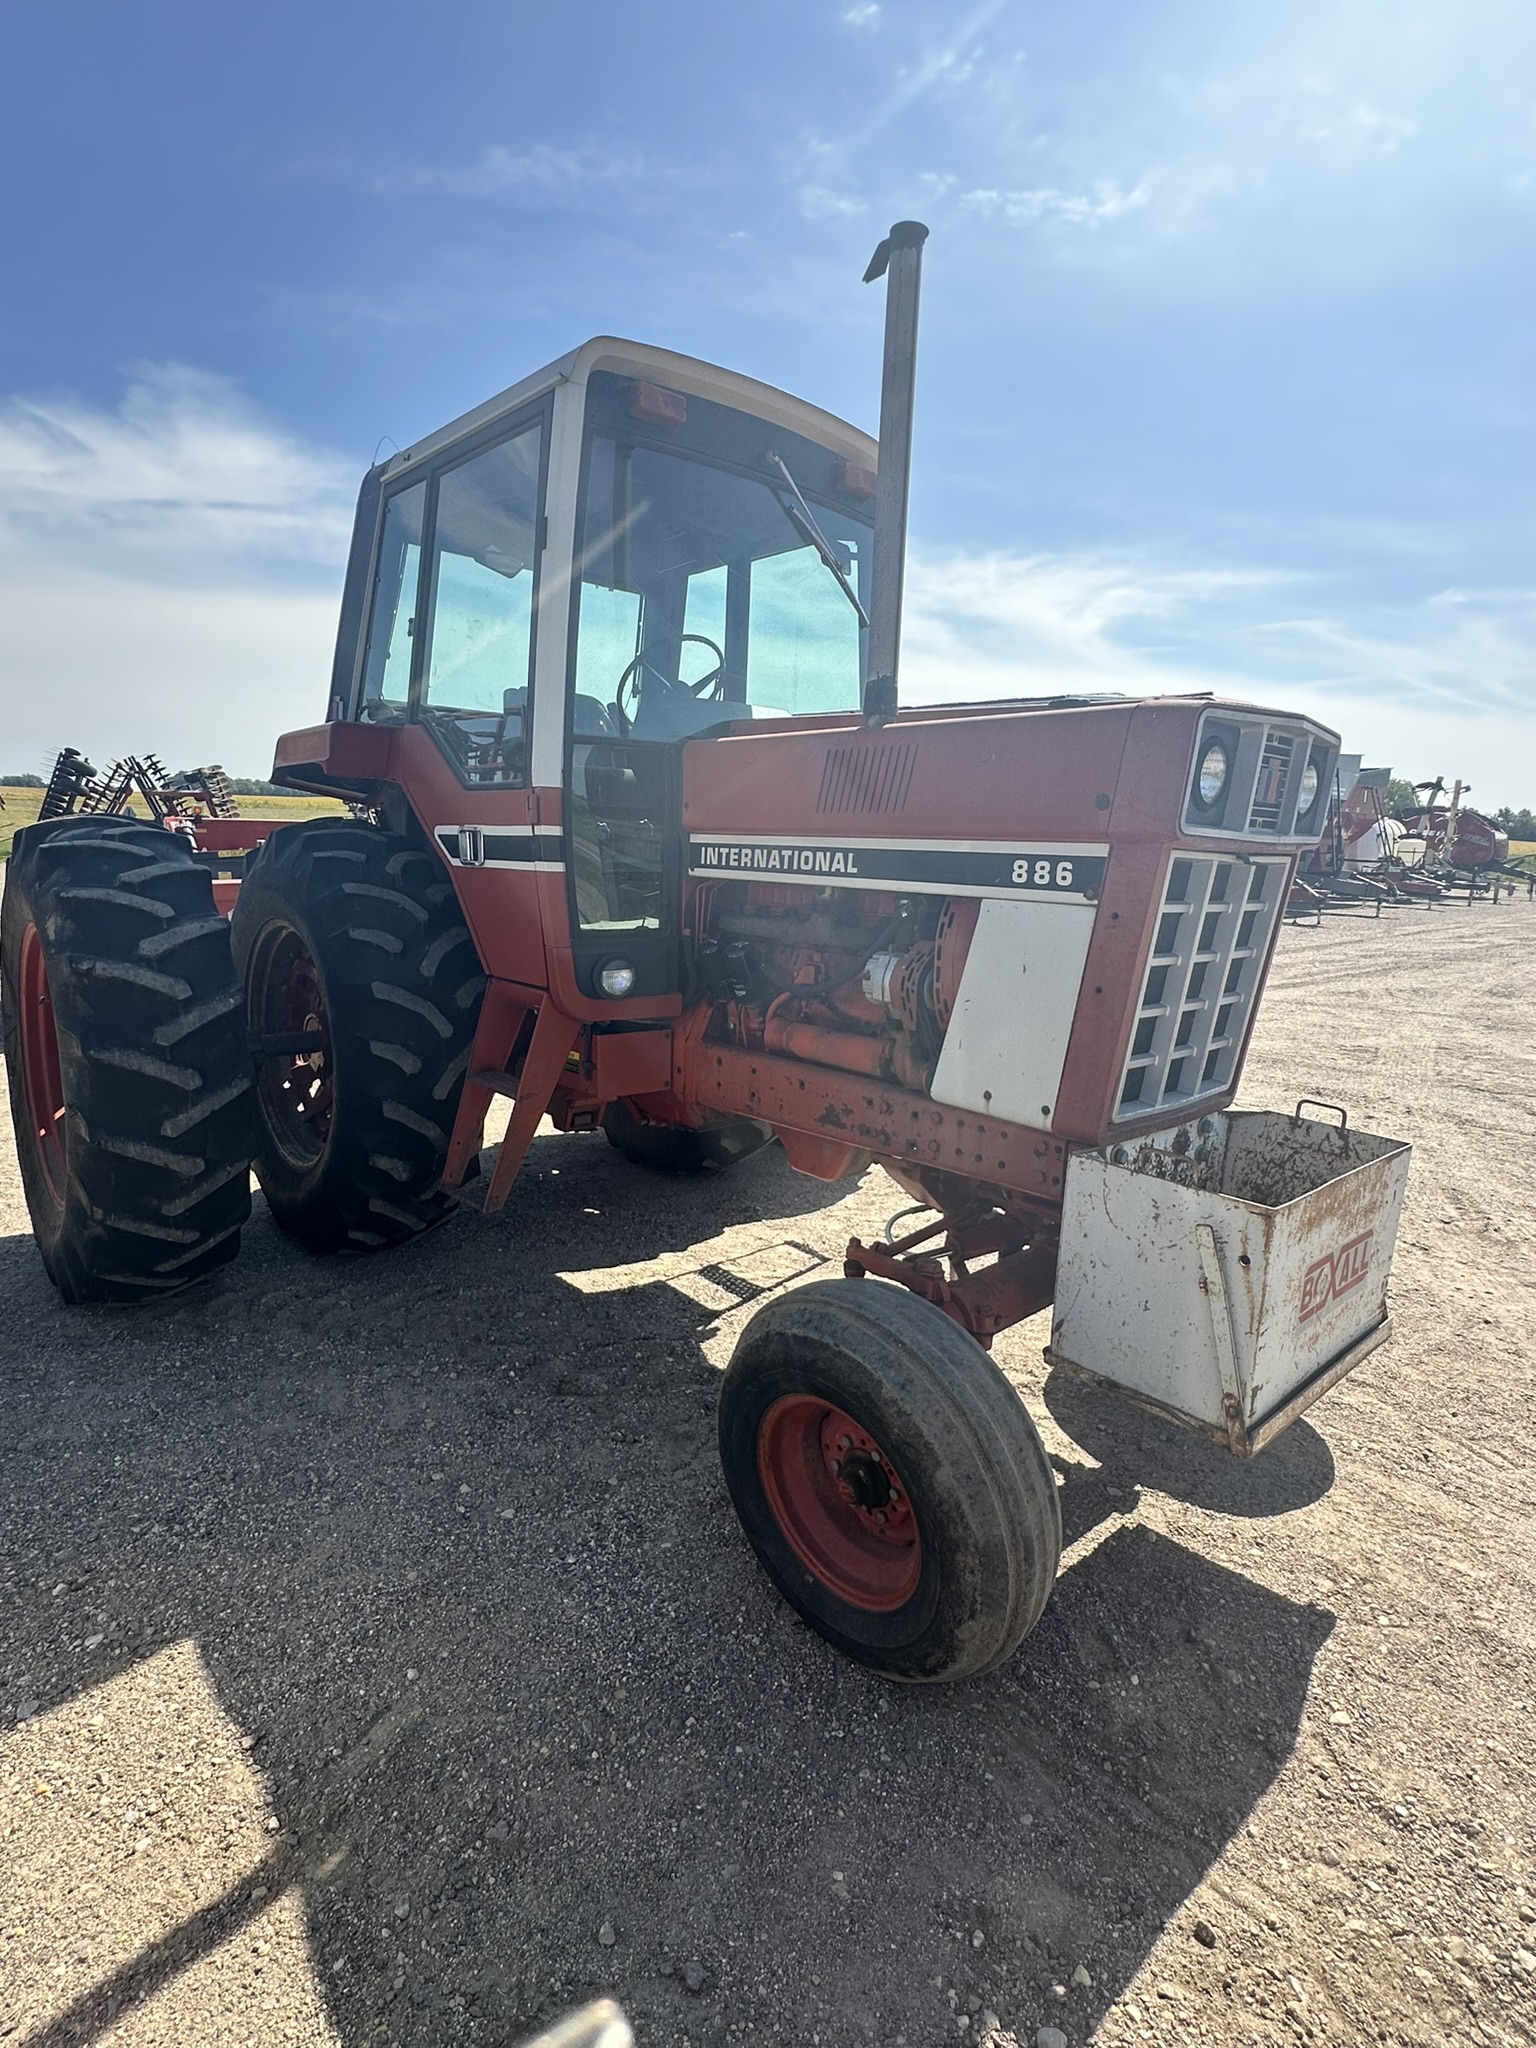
[(1461, 847), (197, 803), (76, 790), (1368, 859), (643, 841)]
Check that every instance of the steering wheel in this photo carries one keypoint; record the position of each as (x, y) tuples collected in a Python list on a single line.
[(710, 685)]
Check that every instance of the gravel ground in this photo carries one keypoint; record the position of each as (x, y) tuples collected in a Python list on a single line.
[(380, 1660)]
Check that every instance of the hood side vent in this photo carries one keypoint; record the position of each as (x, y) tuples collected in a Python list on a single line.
[(866, 779)]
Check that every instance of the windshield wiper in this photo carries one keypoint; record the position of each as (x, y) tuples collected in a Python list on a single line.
[(799, 516)]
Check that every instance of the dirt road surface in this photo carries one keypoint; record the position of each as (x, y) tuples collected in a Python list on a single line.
[(380, 1660)]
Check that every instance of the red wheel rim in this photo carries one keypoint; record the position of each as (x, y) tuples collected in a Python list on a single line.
[(297, 1090), (42, 1079), (840, 1503)]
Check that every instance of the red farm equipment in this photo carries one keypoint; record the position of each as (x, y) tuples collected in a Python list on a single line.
[(642, 840)]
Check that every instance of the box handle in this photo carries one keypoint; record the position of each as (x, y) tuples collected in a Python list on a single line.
[(1314, 1102), (1213, 1286)]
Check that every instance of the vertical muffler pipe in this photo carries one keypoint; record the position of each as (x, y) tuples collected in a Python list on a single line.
[(899, 258)]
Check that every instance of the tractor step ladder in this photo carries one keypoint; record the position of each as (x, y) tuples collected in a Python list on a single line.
[(531, 1084)]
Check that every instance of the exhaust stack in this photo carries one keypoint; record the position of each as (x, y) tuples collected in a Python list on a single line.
[(900, 258)]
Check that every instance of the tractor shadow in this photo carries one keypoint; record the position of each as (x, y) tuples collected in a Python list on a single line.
[(1131, 1447), (448, 1532)]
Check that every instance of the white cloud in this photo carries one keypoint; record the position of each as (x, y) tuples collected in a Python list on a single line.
[(1446, 683), (863, 14), (1107, 201), (539, 176), (820, 202), (1345, 144), (955, 63), (114, 666), (1011, 624), (182, 476), (169, 574)]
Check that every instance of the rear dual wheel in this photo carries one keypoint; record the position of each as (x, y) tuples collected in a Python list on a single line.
[(363, 990), (125, 1051), (890, 1480)]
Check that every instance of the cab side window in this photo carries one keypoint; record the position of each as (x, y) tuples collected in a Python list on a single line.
[(479, 653), (392, 618)]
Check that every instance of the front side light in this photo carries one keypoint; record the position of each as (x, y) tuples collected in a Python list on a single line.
[(1307, 795), (616, 978), (1211, 779)]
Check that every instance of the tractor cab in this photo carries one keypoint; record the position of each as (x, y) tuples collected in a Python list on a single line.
[(626, 551)]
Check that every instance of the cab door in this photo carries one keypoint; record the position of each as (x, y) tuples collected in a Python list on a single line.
[(623, 812), (449, 662)]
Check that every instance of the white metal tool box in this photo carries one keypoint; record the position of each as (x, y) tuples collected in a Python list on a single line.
[(1230, 1271)]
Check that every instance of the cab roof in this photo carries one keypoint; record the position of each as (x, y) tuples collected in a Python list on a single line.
[(640, 359)]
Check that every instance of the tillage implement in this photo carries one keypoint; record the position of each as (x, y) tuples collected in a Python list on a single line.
[(642, 839)]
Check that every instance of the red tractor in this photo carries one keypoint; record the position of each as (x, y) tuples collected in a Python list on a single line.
[(642, 840)]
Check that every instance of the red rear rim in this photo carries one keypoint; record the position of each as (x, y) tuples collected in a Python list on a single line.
[(41, 1078), (840, 1503), (297, 1089)]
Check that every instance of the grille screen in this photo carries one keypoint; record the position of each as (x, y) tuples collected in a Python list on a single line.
[(1274, 780), (1212, 938)]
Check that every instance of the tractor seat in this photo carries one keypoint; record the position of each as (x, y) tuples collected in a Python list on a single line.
[(592, 720), (665, 714)]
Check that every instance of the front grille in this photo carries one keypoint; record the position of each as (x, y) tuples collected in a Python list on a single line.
[(1213, 933), (1266, 761), (1273, 782)]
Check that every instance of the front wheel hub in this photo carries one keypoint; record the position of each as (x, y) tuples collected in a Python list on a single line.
[(840, 1503)]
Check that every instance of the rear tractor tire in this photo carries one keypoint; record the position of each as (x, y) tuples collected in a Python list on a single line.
[(362, 991), (675, 1148), (125, 1051), (890, 1480)]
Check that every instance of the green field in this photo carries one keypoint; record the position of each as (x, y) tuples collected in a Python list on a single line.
[(21, 806)]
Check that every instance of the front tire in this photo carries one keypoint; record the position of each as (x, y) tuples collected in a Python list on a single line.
[(362, 989), (125, 1051), (889, 1479)]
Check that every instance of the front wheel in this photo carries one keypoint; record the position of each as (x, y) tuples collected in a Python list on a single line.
[(889, 1479)]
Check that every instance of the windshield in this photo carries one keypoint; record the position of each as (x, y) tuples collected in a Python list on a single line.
[(700, 590)]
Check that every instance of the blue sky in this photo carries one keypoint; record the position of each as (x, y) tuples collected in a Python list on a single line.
[(1226, 374)]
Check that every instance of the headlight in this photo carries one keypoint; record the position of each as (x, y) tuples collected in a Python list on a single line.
[(1308, 794), (1212, 777), (616, 978)]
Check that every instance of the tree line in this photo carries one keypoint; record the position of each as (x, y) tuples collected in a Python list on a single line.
[(242, 785)]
